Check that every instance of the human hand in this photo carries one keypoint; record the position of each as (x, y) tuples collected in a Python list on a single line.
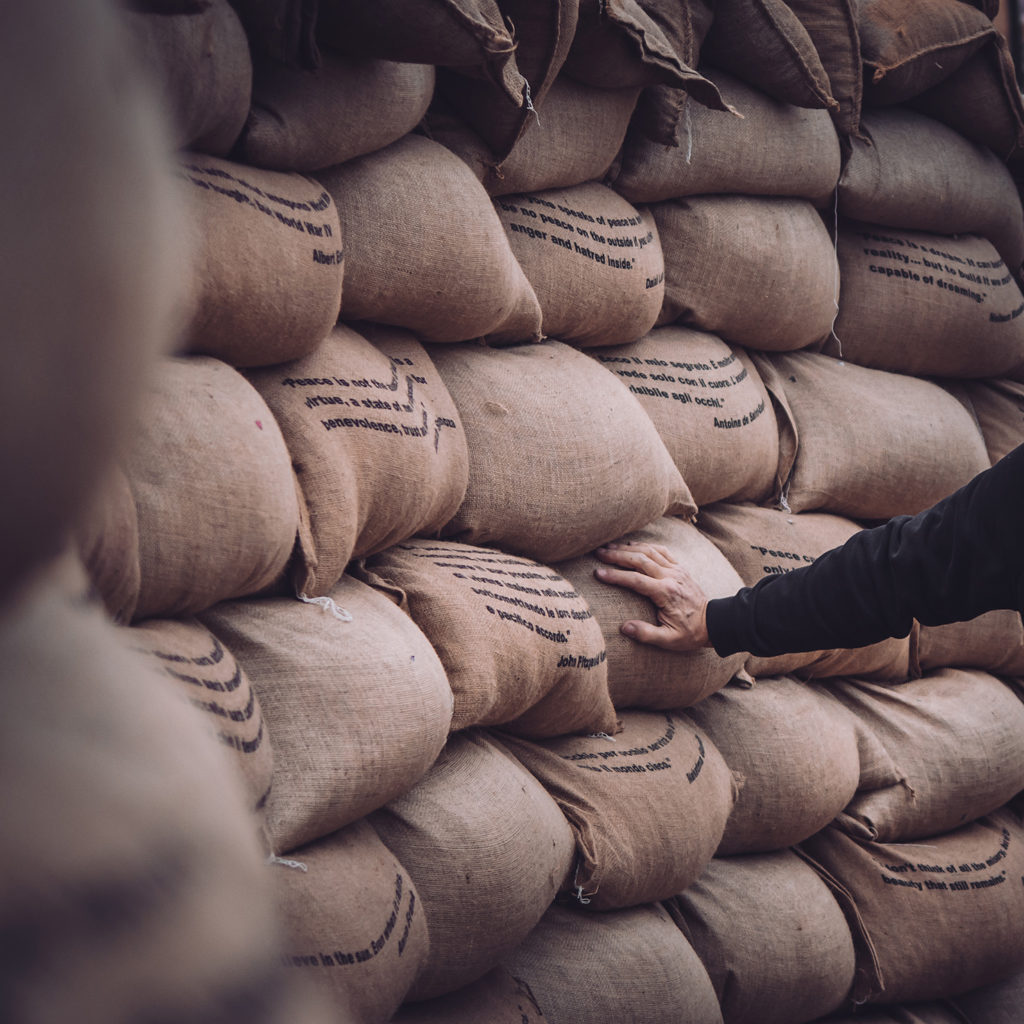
[(651, 571)]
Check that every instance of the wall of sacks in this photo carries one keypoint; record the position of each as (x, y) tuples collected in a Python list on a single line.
[(480, 287)]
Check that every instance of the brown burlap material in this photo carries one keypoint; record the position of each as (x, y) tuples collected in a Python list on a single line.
[(562, 458), (638, 43), (213, 486), (542, 32), (269, 262), (200, 64), (982, 101), (487, 849), (205, 672), (910, 45), (711, 409), (998, 406), (520, 646), (917, 1013), (911, 171), (497, 998), (775, 252), (376, 441), (356, 710), (647, 806), (926, 304), (943, 917), (455, 33), (133, 876), (641, 675), (764, 43), (762, 542), (632, 964), (303, 120), (993, 641), (872, 444), (954, 737), (742, 906), (593, 260), (106, 536), (773, 148), (98, 221), (425, 249), (795, 750), (352, 922), (574, 141), (998, 1003), (832, 29)]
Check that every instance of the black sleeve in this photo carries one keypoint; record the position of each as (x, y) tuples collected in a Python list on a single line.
[(962, 557)]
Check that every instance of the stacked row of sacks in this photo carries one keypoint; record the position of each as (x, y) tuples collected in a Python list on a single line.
[(401, 820)]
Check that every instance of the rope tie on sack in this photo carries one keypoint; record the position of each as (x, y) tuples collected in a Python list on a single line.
[(835, 249), (328, 605), (284, 862)]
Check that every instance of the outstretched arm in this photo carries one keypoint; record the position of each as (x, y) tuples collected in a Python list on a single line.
[(962, 557)]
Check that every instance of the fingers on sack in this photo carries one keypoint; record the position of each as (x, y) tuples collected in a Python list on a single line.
[(644, 585), (631, 557), (645, 633)]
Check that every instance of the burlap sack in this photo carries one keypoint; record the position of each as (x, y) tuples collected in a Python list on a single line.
[(760, 271), (497, 998), (982, 101), (542, 32), (638, 43), (911, 171), (376, 441), (910, 45), (352, 921), (283, 30), (593, 260), (132, 877), (92, 265), (357, 710), (269, 262), (926, 304), (487, 849), (562, 457), (621, 965), (941, 917), (199, 62), (740, 908), (641, 675), (661, 107), (762, 542), (832, 29), (711, 409), (424, 248), (998, 1003), (520, 647), (797, 753), (998, 406), (774, 148), (303, 120), (647, 806), (455, 33), (917, 1013), (214, 489), (993, 642), (106, 536), (208, 675), (954, 737), (763, 43), (872, 444), (576, 140)]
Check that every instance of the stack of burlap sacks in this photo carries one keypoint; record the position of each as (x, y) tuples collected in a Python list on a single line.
[(475, 291)]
